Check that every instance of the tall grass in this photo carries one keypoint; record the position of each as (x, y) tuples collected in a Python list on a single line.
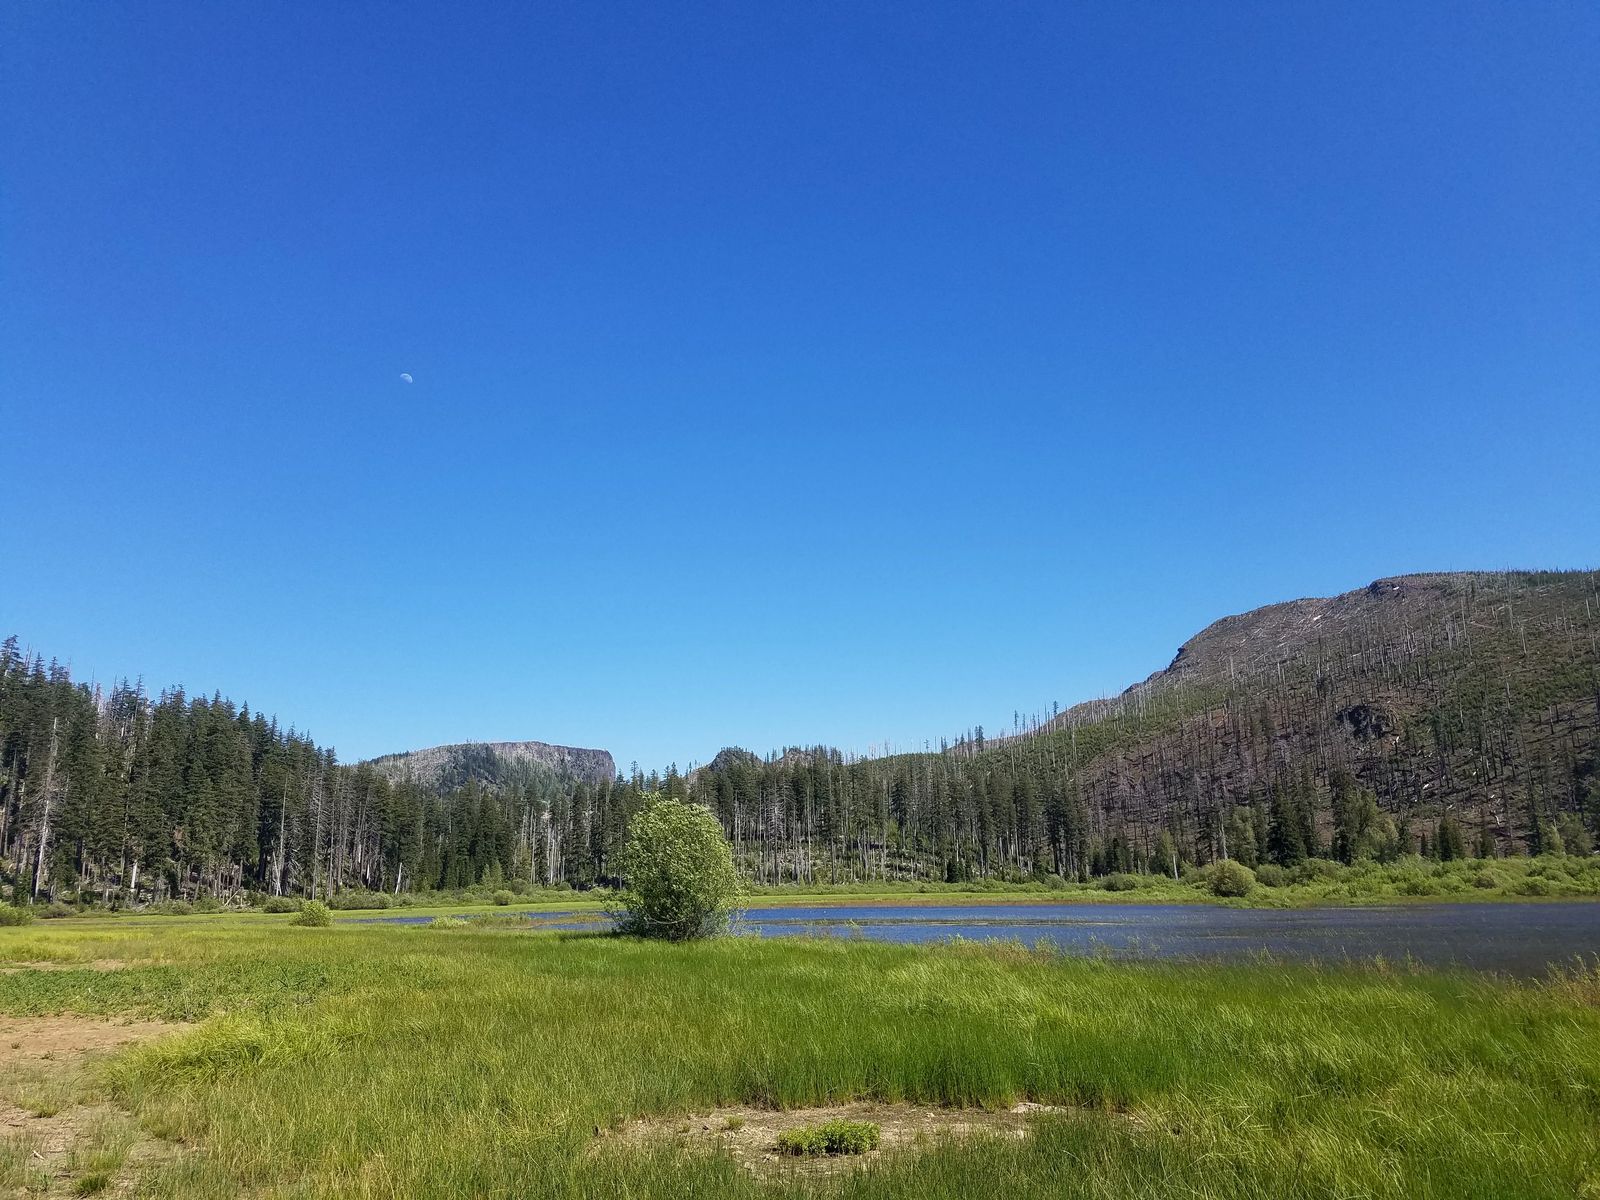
[(387, 1062)]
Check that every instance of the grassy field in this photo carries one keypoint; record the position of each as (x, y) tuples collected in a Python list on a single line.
[(385, 1061)]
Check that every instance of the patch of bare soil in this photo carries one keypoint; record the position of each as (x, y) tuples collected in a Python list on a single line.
[(70, 1037), (55, 1132), (750, 1135)]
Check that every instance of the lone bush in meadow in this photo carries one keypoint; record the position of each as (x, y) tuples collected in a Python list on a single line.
[(1229, 878), (504, 897), (280, 904), (315, 914), (678, 869), (12, 914)]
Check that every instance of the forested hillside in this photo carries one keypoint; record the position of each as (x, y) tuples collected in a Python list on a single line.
[(1440, 714)]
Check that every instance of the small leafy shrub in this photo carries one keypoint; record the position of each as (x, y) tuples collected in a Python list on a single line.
[(56, 909), (837, 1136), (11, 914), (1229, 878), (1272, 875), (356, 898), (1313, 870), (208, 904), (314, 914), (1533, 885), (280, 904), (1416, 885), (1120, 883), (1485, 879), (681, 881), (504, 897), (170, 908)]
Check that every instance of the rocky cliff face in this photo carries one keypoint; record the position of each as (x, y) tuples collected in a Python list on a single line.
[(443, 768)]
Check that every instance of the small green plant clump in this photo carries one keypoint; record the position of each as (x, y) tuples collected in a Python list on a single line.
[(504, 897), (12, 914), (92, 1183), (314, 914), (1272, 875), (280, 904), (837, 1136), (1229, 878)]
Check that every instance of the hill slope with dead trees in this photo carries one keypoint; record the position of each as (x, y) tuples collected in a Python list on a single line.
[(1374, 722)]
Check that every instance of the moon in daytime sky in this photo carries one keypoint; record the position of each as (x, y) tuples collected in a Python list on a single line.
[(405, 378)]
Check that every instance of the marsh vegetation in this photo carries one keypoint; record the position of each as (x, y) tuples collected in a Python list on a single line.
[(374, 1061)]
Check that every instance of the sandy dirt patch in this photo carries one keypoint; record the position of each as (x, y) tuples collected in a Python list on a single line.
[(57, 1131), (750, 1135), (63, 1038)]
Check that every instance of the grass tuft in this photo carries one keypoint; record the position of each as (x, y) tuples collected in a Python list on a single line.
[(838, 1136)]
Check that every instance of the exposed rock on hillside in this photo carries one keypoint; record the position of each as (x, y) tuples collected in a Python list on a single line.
[(494, 763)]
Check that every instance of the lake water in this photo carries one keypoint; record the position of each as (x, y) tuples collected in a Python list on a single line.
[(1516, 939)]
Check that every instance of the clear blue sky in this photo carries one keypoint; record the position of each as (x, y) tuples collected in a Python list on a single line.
[(783, 373)]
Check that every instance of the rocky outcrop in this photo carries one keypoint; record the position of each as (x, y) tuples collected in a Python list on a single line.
[(442, 768)]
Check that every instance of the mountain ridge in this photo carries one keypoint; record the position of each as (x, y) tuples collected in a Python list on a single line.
[(452, 764)]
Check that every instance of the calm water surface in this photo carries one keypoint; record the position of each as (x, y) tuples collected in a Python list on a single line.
[(1520, 939), (1517, 939)]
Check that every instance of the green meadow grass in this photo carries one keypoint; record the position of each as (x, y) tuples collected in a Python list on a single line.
[(387, 1061)]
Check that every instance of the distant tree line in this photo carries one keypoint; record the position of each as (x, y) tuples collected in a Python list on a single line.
[(1465, 725), (120, 795)]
